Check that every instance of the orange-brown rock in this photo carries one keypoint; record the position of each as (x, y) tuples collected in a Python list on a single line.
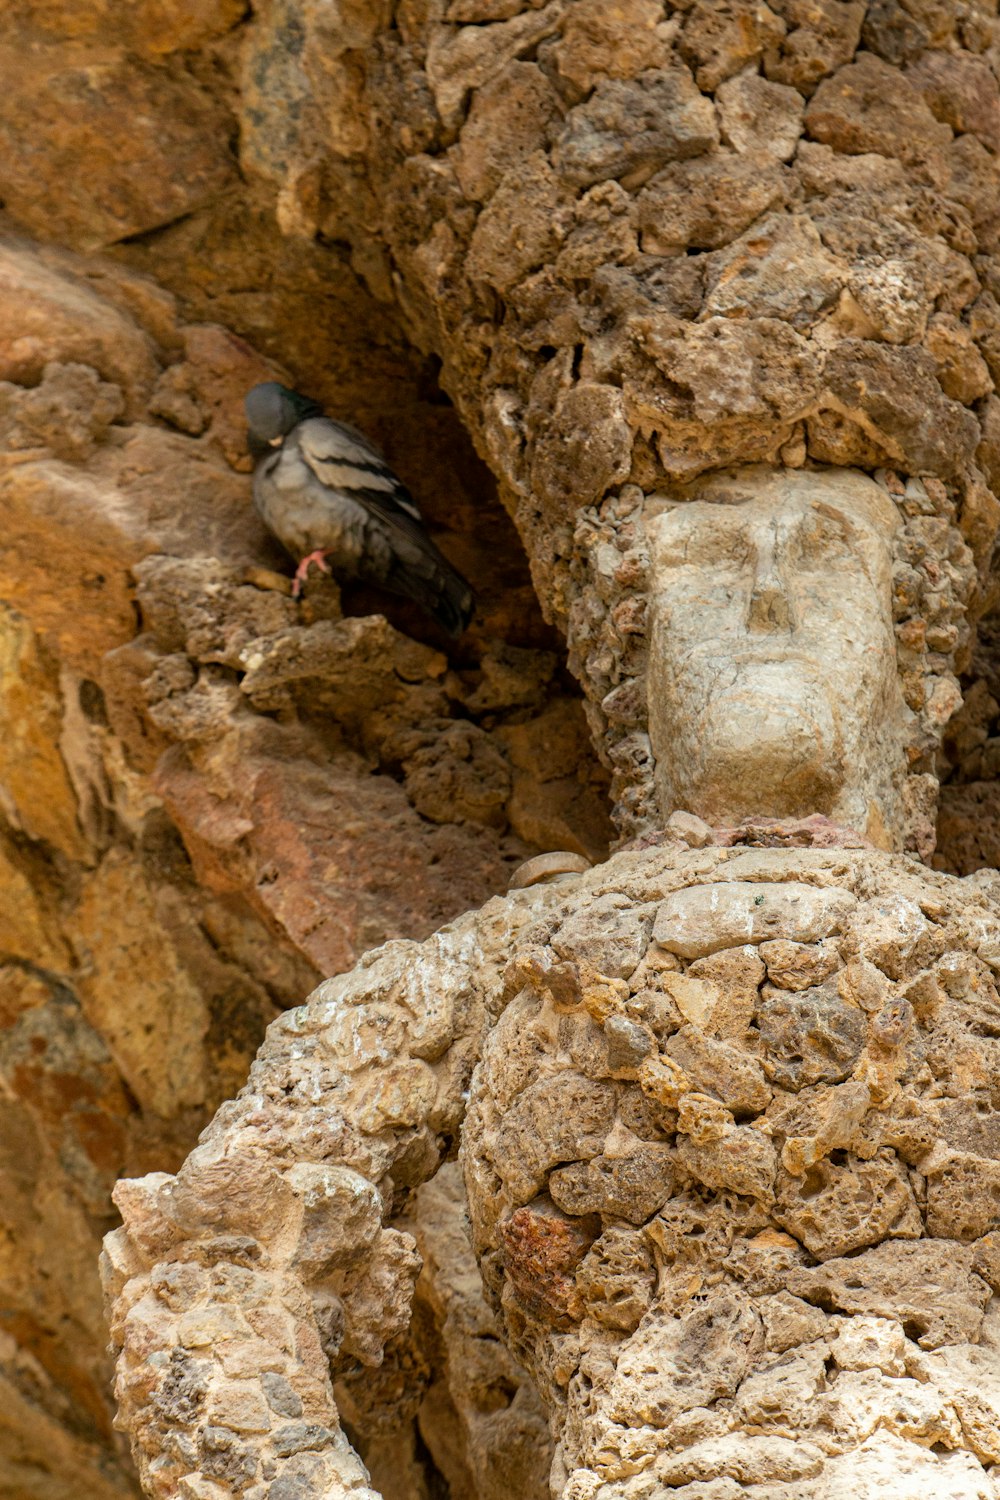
[(210, 795)]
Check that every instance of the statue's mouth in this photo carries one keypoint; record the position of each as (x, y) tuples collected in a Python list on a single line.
[(813, 652)]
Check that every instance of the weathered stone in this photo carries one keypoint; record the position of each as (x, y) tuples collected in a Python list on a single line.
[(704, 919), (834, 1209), (720, 1068), (616, 1279), (867, 1343), (612, 936), (799, 966), (739, 1159), (685, 1362), (586, 1108), (737, 972), (749, 1460), (657, 1159), (961, 369), (489, 1421), (520, 228), (599, 41), (962, 1194), (705, 203), (579, 466), (49, 313), (830, 1119), (176, 158), (893, 1280), (777, 269), (891, 933), (541, 1247), (509, 119), (869, 106), (861, 375), (759, 117), (961, 91), (631, 129), (628, 1187), (720, 40), (789, 1321), (820, 38), (467, 57), (810, 1036)]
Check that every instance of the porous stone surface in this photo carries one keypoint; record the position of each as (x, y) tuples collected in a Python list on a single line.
[(743, 1241), (448, 1383), (636, 242), (209, 796), (808, 1243), (283, 1255)]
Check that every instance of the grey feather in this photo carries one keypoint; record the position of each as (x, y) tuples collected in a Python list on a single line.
[(322, 486)]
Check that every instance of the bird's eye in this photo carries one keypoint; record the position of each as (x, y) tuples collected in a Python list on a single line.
[(276, 442)]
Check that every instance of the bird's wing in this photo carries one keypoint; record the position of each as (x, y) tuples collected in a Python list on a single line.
[(343, 459), (389, 546)]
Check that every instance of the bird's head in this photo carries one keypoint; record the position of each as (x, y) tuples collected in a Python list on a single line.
[(272, 411)]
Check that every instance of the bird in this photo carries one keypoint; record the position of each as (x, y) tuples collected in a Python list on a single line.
[(326, 492)]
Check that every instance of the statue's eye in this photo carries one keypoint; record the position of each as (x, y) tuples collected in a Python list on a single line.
[(823, 538)]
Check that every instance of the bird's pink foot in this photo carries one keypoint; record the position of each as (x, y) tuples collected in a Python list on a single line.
[(319, 558)]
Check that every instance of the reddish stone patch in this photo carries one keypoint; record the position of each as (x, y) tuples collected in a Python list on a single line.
[(541, 1247)]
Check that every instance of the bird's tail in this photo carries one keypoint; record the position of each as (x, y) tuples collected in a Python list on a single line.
[(422, 572), (455, 600)]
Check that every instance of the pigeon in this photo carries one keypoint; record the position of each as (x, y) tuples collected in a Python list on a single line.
[(330, 498)]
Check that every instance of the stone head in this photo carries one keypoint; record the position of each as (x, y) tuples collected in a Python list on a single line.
[(772, 683), (773, 659)]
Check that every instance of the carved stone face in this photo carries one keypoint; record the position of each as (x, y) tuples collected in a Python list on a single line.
[(772, 682)]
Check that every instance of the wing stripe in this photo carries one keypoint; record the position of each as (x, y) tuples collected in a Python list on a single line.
[(348, 476)]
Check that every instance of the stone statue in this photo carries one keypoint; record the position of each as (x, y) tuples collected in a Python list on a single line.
[(711, 287), (771, 623), (725, 1101), (730, 1165)]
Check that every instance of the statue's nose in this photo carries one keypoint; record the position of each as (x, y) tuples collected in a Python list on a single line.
[(770, 606)]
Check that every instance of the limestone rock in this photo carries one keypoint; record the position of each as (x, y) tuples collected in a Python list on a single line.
[(703, 204), (760, 116), (868, 106), (635, 127), (597, 42), (697, 922), (891, 1281), (819, 38), (147, 949)]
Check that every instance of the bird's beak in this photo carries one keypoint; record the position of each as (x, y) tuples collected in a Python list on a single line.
[(275, 442)]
